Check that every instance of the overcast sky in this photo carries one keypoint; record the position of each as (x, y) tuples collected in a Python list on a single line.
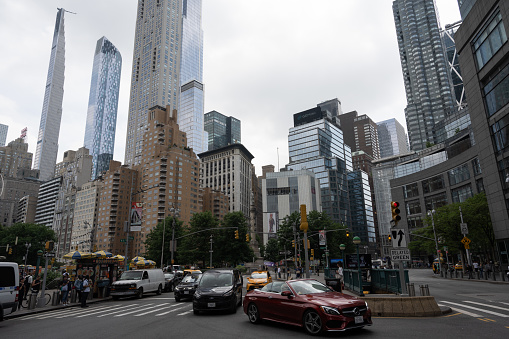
[(264, 60)]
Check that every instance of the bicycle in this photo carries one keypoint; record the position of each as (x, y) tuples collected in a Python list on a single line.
[(24, 302)]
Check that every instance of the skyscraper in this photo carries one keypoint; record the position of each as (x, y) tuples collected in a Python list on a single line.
[(221, 130), (3, 134), (453, 64), (427, 83), (190, 115), (155, 78), (392, 138), (51, 116), (465, 7), (102, 105)]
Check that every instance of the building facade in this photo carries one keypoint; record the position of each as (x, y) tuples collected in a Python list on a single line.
[(3, 134), (229, 170), (361, 209), (14, 158), (26, 209), (482, 43), (102, 105), (46, 201), (86, 208), (51, 116), (360, 133), (425, 73), (13, 190), (216, 202), (453, 64), (392, 139), (222, 130)]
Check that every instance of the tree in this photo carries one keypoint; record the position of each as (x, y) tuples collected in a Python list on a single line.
[(227, 249), (154, 241), (194, 247), (272, 250), (35, 234)]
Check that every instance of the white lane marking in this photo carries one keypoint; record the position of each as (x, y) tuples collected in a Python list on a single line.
[(154, 298), (60, 312), (464, 312), (492, 306), (80, 311), (477, 309), (184, 313), (175, 309), (146, 308), (93, 312), (156, 310), (136, 308)]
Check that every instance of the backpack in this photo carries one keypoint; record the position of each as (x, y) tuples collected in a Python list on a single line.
[(78, 284)]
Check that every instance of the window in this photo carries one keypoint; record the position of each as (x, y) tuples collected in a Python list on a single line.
[(411, 190), (413, 207), (461, 194), (433, 184), (435, 201), (489, 40), (496, 90), (458, 174), (477, 166)]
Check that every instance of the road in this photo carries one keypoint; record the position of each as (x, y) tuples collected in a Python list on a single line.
[(484, 313)]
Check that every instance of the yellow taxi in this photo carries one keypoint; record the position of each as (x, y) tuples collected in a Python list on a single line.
[(258, 279), (191, 271), (458, 266)]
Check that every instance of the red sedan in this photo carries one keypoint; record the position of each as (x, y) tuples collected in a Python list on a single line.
[(307, 303)]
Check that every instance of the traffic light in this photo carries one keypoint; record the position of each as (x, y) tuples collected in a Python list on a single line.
[(347, 234), (312, 252), (293, 243), (10, 250), (49, 246), (395, 212), (236, 234), (247, 237), (389, 237)]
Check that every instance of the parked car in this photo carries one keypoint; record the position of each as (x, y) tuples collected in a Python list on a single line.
[(258, 279), (306, 303), (219, 289), (168, 285), (186, 288), (138, 282), (9, 288)]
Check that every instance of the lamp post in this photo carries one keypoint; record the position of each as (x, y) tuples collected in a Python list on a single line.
[(175, 212), (431, 213), (357, 241), (28, 245), (342, 248), (162, 246), (39, 254)]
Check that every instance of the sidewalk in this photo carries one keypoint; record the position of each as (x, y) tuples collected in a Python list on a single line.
[(25, 311)]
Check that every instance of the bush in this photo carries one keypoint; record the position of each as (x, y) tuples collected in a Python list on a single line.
[(241, 268)]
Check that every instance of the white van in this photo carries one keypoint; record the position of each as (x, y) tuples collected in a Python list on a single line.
[(9, 288), (137, 282)]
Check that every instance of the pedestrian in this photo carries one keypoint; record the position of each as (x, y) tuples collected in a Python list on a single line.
[(339, 274), (78, 285), (36, 285), (85, 291), (65, 287), (469, 270), (279, 272), (27, 284)]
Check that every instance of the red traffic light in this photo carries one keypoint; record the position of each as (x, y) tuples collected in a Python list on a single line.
[(395, 204)]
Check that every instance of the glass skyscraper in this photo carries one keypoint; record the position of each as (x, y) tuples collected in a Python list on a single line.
[(361, 208), (392, 138), (102, 105), (51, 116), (425, 73), (222, 130), (191, 105), (453, 64), (316, 143)]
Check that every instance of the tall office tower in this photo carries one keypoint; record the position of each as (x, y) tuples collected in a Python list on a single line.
[(453, 64), (222, 130), (360, 133), (427, 84), (316, 143), (392, 138), (361, 207), (191, 103), (155, 78), (3, 134), (86, 208), (49, 129), (15, 157), (465, 7), (102, 105)]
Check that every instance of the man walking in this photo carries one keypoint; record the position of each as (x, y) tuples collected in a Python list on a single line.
[(85, 291)]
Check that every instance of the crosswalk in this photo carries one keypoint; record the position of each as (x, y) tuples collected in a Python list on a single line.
[(116, 311), (477, 309)]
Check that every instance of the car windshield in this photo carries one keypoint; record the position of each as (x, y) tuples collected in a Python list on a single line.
[(308, 287), (169, 275), (131, 275), (191, 278), (217, 280), (258, 275)]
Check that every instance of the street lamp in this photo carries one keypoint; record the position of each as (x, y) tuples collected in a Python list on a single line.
[(175, 213), (342, 248), (357, 241), (431, 213), (28, 245)]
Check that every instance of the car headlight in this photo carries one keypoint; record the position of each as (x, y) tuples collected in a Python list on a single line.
[(177, 288), (228, 294), (133, 285), (330, 310), (367, 307), (197, 294)]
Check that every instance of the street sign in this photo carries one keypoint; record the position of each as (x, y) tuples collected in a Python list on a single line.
[(122, 240), (283, 252), (130, 238), (402, 254), (467, 247), (49, 255), (398, 238), (464, 228), (466, 241)]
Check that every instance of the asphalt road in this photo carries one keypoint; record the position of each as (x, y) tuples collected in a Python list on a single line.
[(481, 310)]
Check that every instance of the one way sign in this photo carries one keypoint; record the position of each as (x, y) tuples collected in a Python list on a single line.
[(398, 238)]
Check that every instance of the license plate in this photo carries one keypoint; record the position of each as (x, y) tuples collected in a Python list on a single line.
[(211, 304), (186, 292), (359, 319)]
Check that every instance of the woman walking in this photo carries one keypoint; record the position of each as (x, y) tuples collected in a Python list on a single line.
[(65, 287)]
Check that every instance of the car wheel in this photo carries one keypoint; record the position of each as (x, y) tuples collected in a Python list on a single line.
[(159, 290), (253, 313), (312, 323), (139, 295)]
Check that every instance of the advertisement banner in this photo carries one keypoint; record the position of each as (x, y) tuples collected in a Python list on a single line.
[(136, 213), (321, 236), (272, 222)]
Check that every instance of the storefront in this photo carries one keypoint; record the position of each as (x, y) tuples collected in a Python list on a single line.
[(102, 272)]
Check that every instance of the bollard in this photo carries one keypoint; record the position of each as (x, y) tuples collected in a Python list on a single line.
[(411, 289), (54, 299), (31, 301), (73, 296), (424, 290)]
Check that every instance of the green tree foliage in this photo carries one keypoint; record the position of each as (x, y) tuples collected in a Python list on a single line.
[(229, 251), (154, 241), (194, 247), (35, 234), (272, 250)]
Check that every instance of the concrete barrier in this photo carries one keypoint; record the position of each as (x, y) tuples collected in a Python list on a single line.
[(388, 306)]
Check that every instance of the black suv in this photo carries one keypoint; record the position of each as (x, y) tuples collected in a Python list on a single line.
[(219, 289), (185, 289)]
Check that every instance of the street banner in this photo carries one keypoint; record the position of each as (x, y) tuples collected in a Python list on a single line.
[(136, 213), (272, 223), (321, 236)]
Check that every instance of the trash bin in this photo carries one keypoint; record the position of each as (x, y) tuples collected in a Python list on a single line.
[(335, 284), (54, 298)]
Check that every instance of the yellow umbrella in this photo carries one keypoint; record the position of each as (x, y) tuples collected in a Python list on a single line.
[(78, 255), (136, 259), (103, 254), (118, 257)]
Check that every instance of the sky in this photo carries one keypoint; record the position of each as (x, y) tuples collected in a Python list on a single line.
[(264, 61)]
